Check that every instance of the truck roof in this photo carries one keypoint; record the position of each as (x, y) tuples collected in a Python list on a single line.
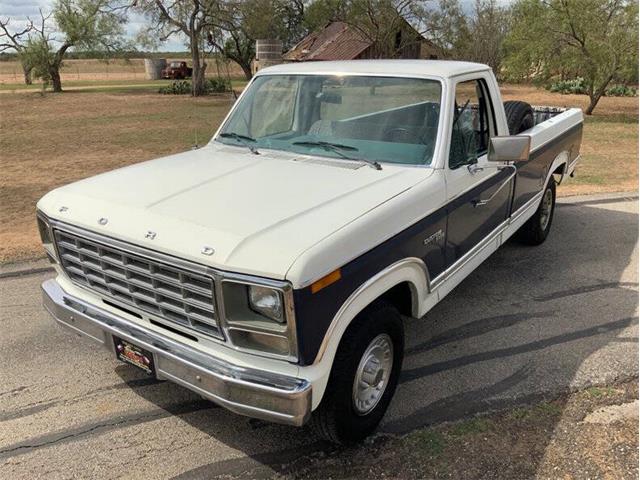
[(435, 68)]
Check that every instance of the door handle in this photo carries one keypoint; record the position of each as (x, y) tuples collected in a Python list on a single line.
[(475, 168)]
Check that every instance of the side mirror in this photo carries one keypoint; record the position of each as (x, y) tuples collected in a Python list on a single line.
[(509, 149)]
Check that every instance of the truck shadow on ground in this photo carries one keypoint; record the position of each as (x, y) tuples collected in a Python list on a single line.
[(527, 325)]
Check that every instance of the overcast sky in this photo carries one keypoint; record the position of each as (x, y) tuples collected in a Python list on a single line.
[(21, 9)]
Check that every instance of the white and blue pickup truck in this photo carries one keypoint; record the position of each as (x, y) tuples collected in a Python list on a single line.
[(270, 270)]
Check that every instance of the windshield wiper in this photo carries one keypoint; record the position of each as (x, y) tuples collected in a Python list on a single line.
[(243, 139), (338, 148)]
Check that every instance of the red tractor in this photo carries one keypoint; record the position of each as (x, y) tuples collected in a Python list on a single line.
[(177, 70)]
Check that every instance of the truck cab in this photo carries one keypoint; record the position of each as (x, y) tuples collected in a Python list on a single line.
[(177, 70), (271, 270)]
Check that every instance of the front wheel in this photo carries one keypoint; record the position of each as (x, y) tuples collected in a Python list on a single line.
[(364, 376), (535, 231)]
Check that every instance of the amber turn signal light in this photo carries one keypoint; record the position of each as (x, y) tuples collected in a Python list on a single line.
[(326, 281)]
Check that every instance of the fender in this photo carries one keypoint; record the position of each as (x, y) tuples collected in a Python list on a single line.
[(412, 270), (560, 160)]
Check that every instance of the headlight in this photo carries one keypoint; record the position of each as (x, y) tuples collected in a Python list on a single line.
[(259, 317), (46, 237), (45, 234), (266, 301)]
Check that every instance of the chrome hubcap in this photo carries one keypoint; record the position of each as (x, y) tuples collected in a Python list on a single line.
[(545, 209), (372, 375)]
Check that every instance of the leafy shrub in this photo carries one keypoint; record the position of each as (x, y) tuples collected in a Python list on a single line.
[(621, 91), (217, 85), (181, 87), (565, 87), (578, 86)]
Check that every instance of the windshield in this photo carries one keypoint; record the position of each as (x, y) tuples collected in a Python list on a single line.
[(175, 65), (385, 119)]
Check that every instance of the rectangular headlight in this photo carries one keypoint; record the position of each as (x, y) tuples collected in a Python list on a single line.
[(260, 317), (266, 301)]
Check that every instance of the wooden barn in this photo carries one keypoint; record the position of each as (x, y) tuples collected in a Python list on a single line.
[(341, 41)]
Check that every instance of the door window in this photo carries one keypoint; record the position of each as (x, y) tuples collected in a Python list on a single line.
[(473, 123)]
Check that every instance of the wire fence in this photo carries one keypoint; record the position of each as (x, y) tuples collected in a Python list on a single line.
[(95, 70)]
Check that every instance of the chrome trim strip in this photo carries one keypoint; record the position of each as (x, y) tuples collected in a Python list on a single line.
[(49, 248), (483, 201), (518, 213), (218, 277), (462, 261), (247, 391), (574, 164)]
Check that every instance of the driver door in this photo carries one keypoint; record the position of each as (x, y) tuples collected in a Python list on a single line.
[(470, 179)]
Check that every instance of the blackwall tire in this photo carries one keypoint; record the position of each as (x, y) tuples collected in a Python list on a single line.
[(537, 228), (353, 404), (519, 116)]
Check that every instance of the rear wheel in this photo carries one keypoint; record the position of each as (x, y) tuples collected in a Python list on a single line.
[(535, 231), (364, 376)]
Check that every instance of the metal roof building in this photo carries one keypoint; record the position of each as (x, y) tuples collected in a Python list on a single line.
[(341, 41)]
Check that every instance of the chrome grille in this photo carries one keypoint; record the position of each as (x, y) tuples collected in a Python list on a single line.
[(169, 292)]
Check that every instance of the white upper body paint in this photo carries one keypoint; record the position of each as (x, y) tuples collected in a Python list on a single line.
[(276, 215)]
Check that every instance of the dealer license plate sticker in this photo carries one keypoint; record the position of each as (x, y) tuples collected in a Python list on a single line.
[(137, 356)]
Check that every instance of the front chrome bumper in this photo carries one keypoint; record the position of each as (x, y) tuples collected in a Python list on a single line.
[(252, 392)]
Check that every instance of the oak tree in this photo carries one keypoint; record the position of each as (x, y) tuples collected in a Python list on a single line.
[(593, 39), (84, 25), (16, 40)]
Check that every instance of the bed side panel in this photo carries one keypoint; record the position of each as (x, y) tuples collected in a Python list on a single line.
[(532, 173)]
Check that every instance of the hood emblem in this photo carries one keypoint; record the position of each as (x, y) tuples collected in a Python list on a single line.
[(150, 235), (63, 209), (207, 251), (103, 221)]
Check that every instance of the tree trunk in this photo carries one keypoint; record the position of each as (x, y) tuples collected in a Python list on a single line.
[(27, 74), (595, 96), (54, 68), (246, 69), (197, 76), (593, 101), (56, 83)]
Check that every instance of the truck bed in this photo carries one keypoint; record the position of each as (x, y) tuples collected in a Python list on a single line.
[(552, 122), (555, 140), (544, 113)]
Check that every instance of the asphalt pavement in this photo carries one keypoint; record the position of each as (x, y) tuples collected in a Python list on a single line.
[(529, 324)]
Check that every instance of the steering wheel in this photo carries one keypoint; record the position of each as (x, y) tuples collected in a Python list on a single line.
[(400, 134)]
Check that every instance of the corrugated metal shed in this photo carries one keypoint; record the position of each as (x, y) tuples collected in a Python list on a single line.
[(337, 41)]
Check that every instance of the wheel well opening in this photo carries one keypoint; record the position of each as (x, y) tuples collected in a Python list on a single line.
[(558, 173), (400, 297)]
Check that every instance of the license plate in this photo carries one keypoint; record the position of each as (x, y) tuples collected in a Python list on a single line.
[(130, 353)]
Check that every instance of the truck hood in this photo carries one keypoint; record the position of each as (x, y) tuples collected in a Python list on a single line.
[(257, 212)]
